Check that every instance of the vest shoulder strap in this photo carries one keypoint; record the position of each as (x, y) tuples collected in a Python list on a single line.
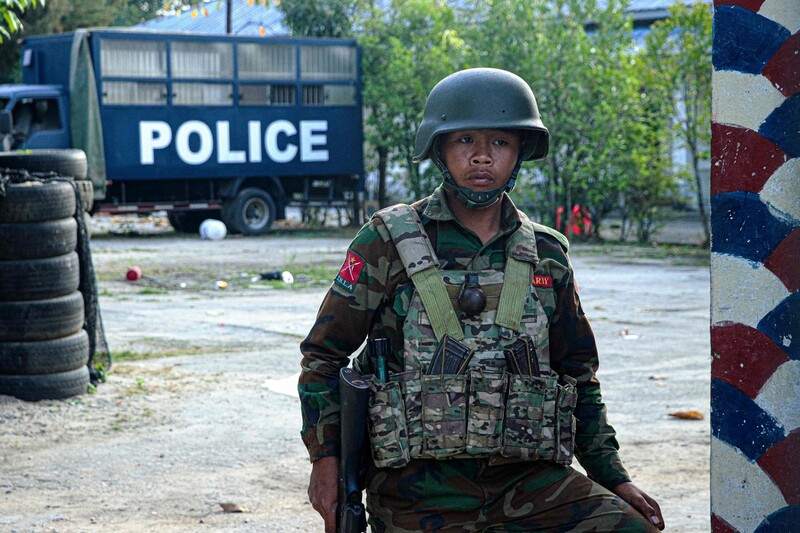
[(521, 256), (421, 264), (409, 237)]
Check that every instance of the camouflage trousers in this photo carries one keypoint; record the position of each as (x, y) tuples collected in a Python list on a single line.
[(470, 495)]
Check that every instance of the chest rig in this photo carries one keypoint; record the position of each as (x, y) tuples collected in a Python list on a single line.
[(476, 379)]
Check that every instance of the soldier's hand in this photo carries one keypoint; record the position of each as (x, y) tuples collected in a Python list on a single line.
[(323, 490), (641, 502)]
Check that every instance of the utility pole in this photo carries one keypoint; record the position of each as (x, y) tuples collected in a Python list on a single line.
[(228, 13)]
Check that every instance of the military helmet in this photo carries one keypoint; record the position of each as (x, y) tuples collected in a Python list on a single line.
[(482, 98)]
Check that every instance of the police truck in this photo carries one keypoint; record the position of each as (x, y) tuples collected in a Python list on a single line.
[(200, 126)]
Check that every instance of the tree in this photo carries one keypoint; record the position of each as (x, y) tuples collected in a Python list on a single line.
[(133, 12), (680, 48), (383, 101), (10, 11), (321, 18), (586, 89)]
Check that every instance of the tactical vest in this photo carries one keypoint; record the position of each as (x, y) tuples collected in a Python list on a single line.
[(484, 409)]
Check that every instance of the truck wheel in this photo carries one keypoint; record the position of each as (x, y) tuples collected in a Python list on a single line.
[(68, 162), (45, 357), (39, 279), (251, 212), (189, 221), (38, 239), (47, 386), (41, 320), (35, 201)]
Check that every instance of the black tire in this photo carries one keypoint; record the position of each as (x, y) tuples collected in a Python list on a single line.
[(45, 357), (189, 221), (39, 279), (38, 239), (68, 162), (41, 320), (36, 201), (251, 211), (46, 386)]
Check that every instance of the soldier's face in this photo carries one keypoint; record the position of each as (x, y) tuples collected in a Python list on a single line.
[(481, 160)]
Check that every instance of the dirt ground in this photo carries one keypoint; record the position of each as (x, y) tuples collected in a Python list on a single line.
[(200, 408)]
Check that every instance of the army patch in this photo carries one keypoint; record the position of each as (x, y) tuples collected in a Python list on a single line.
[(542, 281), (350, 271)]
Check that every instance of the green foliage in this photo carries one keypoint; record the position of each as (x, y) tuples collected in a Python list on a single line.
[(679, 50), (587, 89), (321, 18), (10, 11), (132, 12)]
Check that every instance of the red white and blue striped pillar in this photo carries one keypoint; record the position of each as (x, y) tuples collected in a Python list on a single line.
[(755, 267)]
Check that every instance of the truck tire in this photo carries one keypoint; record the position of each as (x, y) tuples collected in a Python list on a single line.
[(189, 221), (38, 239), (45, 357), (69, 162), (37, 201), (41, 320), (46, 386), (39, 279), (251, 212)]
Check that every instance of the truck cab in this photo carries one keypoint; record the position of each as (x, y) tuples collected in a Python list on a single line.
[(37, 116)]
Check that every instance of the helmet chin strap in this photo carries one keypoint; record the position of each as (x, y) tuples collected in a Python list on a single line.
[(465, 195)]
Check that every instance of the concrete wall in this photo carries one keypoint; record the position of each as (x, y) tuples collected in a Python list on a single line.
[(755, 267)]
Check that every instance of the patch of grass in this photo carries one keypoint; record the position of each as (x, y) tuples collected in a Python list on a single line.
[(318, 271), (108, 276), (129, 355), (150, 290), (139, 388), (127, 370)]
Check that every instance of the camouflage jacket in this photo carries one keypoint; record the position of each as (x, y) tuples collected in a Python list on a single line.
[(371, 290)]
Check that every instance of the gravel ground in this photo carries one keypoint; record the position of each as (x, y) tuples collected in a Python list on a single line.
[(203, 410)]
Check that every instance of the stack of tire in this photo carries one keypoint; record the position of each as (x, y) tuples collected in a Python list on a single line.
[(44, 350)]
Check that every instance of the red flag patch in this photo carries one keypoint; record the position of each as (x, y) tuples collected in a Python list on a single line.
[(350, 271), (542, 281)]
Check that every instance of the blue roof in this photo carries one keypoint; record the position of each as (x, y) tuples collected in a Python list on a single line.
[(246, 19)]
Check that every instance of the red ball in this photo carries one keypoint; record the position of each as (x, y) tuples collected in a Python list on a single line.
[(134, 273)]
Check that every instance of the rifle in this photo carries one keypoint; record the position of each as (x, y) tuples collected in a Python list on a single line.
[(351, 514)]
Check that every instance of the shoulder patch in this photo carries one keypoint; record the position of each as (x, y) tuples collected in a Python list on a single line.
[(351, 270)]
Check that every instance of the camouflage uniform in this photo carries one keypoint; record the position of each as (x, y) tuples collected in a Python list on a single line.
[(373, 290)]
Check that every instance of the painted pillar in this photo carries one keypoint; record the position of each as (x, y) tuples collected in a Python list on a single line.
[(755, 267)]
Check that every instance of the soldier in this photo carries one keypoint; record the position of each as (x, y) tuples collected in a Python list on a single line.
[(491, 385)]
